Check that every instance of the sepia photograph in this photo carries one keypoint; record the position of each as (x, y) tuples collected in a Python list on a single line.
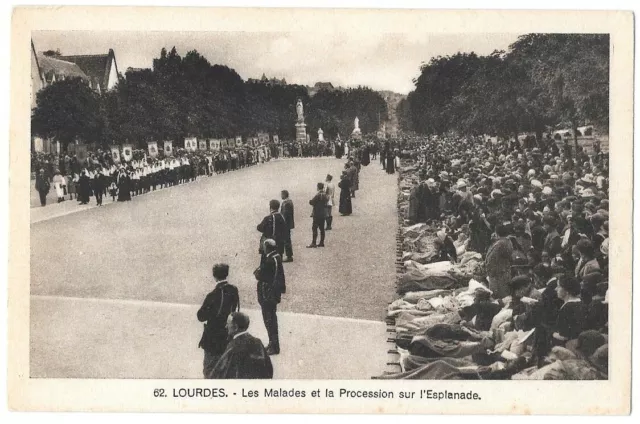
[(285, 204)]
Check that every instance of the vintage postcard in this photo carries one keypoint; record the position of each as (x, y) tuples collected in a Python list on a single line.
[(300, 210)]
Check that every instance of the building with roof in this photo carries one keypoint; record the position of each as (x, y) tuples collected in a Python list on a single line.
[(267, 81), (102, 69), (53, 69), (100, 72), (318, 86), (323, 86)]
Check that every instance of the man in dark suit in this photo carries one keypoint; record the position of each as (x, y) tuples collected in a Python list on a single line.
[(273, 226), (43, 186), (286, 209), (319, 215), (215, 309), (271, 286), (245, 356)]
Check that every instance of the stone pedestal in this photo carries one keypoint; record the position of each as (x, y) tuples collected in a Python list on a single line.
[(356, 134), (301, 132)]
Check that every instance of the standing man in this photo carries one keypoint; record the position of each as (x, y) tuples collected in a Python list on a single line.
[(286, 209), (271, 286), (215, 309), (245, 357), (330, 190), (273, 226), (98, 187), (319, 214), (43, 186), (84, 189)]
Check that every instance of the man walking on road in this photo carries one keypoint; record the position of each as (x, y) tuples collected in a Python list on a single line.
[(330, 191), (271, 286), (319, 203), (286, 209)]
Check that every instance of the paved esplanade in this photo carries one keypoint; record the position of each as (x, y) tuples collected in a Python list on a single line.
[(115, 289)]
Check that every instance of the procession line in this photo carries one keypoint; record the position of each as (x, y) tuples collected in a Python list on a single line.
[(137, 302), (164, 189), (93, 206)]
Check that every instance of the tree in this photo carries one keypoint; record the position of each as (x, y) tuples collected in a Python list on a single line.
[(67, 110), (542, 81), (188, 96), (334, 111), (571, 72)]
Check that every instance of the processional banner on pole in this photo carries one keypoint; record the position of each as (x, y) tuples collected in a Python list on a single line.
[(168, 147), (115, 154), (127, 152), (152, 147)]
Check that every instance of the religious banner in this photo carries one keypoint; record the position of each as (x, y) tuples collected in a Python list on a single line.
[(168, 148), (238, 141), (153, 148), (276, 139), (223, 143), (190, 144), (115, 154), (231, 142), (202, 144), (214, 144), (256, 141), (81, 152), (127, 152)]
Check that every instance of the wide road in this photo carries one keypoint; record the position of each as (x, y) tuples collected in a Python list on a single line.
[(115, 289)]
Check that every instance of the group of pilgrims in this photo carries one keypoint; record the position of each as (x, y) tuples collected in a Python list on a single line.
[(537, 218), (99, 176)]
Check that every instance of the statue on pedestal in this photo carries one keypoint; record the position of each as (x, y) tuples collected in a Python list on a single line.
[(301, 131), (300, 110), (357, 133), (320, 135)]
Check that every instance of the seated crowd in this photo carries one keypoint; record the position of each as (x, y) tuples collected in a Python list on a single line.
[(505, 261)]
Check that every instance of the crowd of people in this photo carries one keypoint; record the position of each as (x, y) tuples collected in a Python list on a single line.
[(506, 269), (224, 356), (505, 257), (100, 176)]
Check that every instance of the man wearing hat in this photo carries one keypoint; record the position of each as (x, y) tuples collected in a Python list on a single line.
[(42, 186), (552, 241)]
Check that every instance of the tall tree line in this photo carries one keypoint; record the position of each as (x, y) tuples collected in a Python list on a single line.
[(542, 81), (188, 96)]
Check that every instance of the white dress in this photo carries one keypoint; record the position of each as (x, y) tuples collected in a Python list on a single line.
[(57, 184)]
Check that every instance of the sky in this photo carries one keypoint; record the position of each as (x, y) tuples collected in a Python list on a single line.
[(381, 61)]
